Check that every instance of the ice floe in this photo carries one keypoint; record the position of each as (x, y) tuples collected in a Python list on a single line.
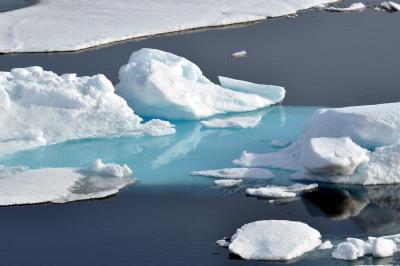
[(325, 245), (20, 185), (333, 147), (353, 7), (81, 23), (274, 240), (390, 6), (236, 173), (280, 191), (239, 54), (227, 183), (245, 121), (41, 107), (354, 248), (163, 85)]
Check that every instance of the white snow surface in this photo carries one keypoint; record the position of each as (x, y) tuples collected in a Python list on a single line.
[(354, 248), (390, 6), (274, 240), (343, 134), (280, 191), (66, 25), (325, 245), (236, 173), (353, 7), (245, 121), (20, 185), (39, 107), (163, 85), (227, 183)]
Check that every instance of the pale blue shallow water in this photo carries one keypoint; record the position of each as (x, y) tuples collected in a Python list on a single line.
[(169, 160)]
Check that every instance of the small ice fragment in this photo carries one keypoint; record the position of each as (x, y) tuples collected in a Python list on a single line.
[(98, 167), (345, 251), (223, 242), (279, 191), (228, 183), (353, 7), (237, 173), (326, 245), (249, 121), (239, 54), (383, 247), (390, 6), (274, 240), (279, 143)]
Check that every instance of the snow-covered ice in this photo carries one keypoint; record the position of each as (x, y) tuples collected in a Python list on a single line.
[(41, 107), (245, 121), (332, 156), (99, 168), (163, 85), (81, 23), (239, 54), (354, 248), (390, 6), (227, 183), (274, 240), (325, 245), (336, 141), (236, 173), (20, 185), (280, 191), (353, 7)]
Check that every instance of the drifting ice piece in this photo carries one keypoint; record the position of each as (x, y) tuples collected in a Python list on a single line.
[(326, 245), (274, 240), (390, 6), (279, 191), (237, 173), (239, 54), (161, 84), (44, 108), (353, 7), (227, 183), (355, 248)]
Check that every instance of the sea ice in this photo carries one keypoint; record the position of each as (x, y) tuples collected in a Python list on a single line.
[(99, 168), (245, 121), (325, 245), (239, 54), (355, 248), (227, 183), (44, 108), (390, 6), (279, 191), (223, 242), (163, 85), (353, 7), (82, 23), (236, 173), (274, 240), (21, 185)]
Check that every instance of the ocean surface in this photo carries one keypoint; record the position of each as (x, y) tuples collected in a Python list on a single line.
[(172, 218)]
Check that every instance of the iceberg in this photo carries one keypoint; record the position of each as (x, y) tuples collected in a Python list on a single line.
[(274, 240), (236, 173), (39, 107), (353, 7), (82, 24), (333, 147), (20, 185), (280, 191), (163, 85), (390, 6), (228, 183)]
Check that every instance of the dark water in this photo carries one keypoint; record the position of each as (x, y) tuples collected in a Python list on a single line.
[(321, 58), (8, 5)]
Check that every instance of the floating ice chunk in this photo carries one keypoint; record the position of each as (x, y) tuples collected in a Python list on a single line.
[(44, 108), (390, 6), (248, 121), (332, 156), (353, 7), (355, 248), (57, 185), (34, 29), (274, 240), (164, 85), (325, 245), (223, 242), (98, 167), (227, 183), (236, 173), (274, 93), (279, 191), (279, 143), (239, 54)]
